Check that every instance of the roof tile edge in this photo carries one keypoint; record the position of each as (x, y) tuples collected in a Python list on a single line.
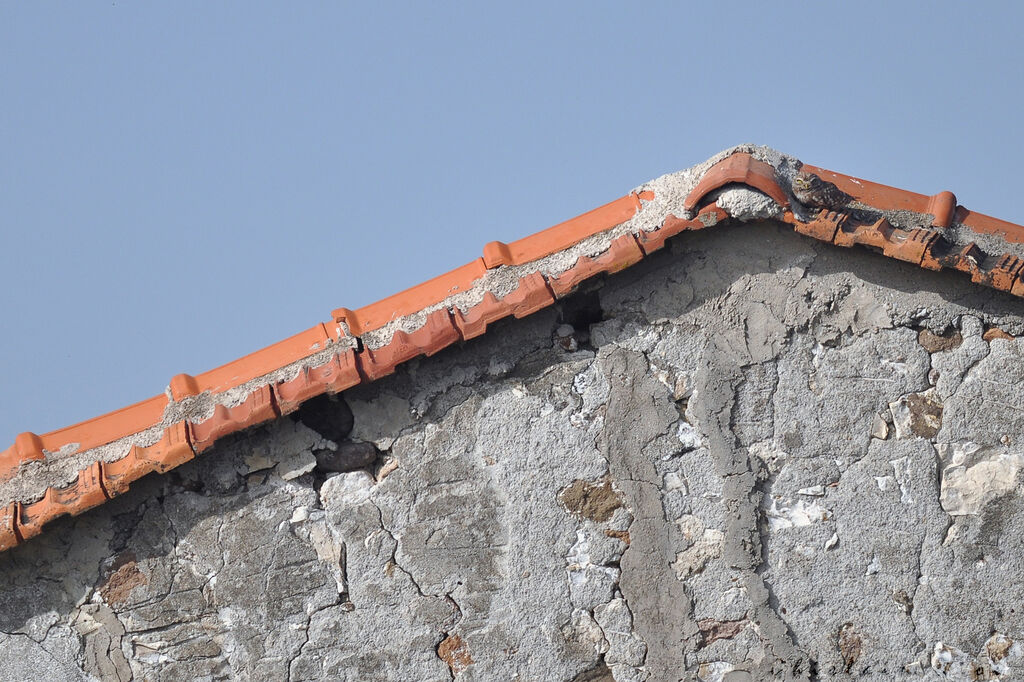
[(514, 279)]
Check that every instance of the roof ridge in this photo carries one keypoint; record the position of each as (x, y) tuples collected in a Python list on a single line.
[(70, 470)]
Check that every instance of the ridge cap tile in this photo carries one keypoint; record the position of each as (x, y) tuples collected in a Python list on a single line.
[(332, 357)]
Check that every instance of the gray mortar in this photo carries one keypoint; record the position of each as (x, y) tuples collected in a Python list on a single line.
[(725, 405), (745, 204), (992, 245)]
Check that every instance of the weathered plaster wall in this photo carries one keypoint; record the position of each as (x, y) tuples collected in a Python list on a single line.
[(751, 457)]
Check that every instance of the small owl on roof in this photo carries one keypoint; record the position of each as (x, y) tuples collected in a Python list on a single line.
[(812, 191)]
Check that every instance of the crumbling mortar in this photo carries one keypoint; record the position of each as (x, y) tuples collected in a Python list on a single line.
[(157, 629), (153, 599), (742, 539), (670, 190)]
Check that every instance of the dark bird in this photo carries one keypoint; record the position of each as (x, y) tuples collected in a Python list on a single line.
[(811, 190)]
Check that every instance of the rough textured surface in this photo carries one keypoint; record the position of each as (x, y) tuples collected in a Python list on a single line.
[(749, 457)]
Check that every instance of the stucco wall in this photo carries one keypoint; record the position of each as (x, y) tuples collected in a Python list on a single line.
[(749, 457)]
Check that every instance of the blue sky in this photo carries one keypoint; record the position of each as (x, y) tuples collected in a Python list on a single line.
[(181, 184)]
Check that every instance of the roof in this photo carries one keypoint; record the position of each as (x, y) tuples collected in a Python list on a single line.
[(70, 470)]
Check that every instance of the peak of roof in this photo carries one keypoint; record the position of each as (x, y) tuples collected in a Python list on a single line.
[(79, 467)]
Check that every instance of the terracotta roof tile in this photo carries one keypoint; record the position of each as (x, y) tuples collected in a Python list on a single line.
[(107, 454)]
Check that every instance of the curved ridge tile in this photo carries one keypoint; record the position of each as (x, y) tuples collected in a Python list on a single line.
[(264, 361), (709, 216), (438, 332), (412, 300), (740, 168)]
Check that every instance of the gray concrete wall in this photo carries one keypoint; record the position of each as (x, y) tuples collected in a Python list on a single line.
[(749, 457)]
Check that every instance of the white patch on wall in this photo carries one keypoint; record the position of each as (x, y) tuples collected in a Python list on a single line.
[(707, 545), (688, 436), (714, 671), (974, 475), (784, 513), (296, 465), (593, 388), (590, 584), (902, 471), (769, 452), (673, 480), (346, 490)]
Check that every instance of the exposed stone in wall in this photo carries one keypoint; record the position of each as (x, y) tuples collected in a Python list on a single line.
[(751, 457)]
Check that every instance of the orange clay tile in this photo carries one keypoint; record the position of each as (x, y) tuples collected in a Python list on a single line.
[(412, 300), (708, 216), (911, 246), (474, 321), (438, 331), (264, 361), (183, 386), (257, 408), (181, 441), (87, 435), (874, 234), (173, 449), (838, 228), (544, 243), (95, 432), (564, 235), (1005, 273), (740, 168), (8, 523), (27, 447), (531, 295), (979, 222), (920, 246), (966, 259), (85, 493), (623, 252), (339, 373), (942, 205), (823, 226)]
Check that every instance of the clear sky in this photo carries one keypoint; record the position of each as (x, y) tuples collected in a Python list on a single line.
[(183, 183)]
